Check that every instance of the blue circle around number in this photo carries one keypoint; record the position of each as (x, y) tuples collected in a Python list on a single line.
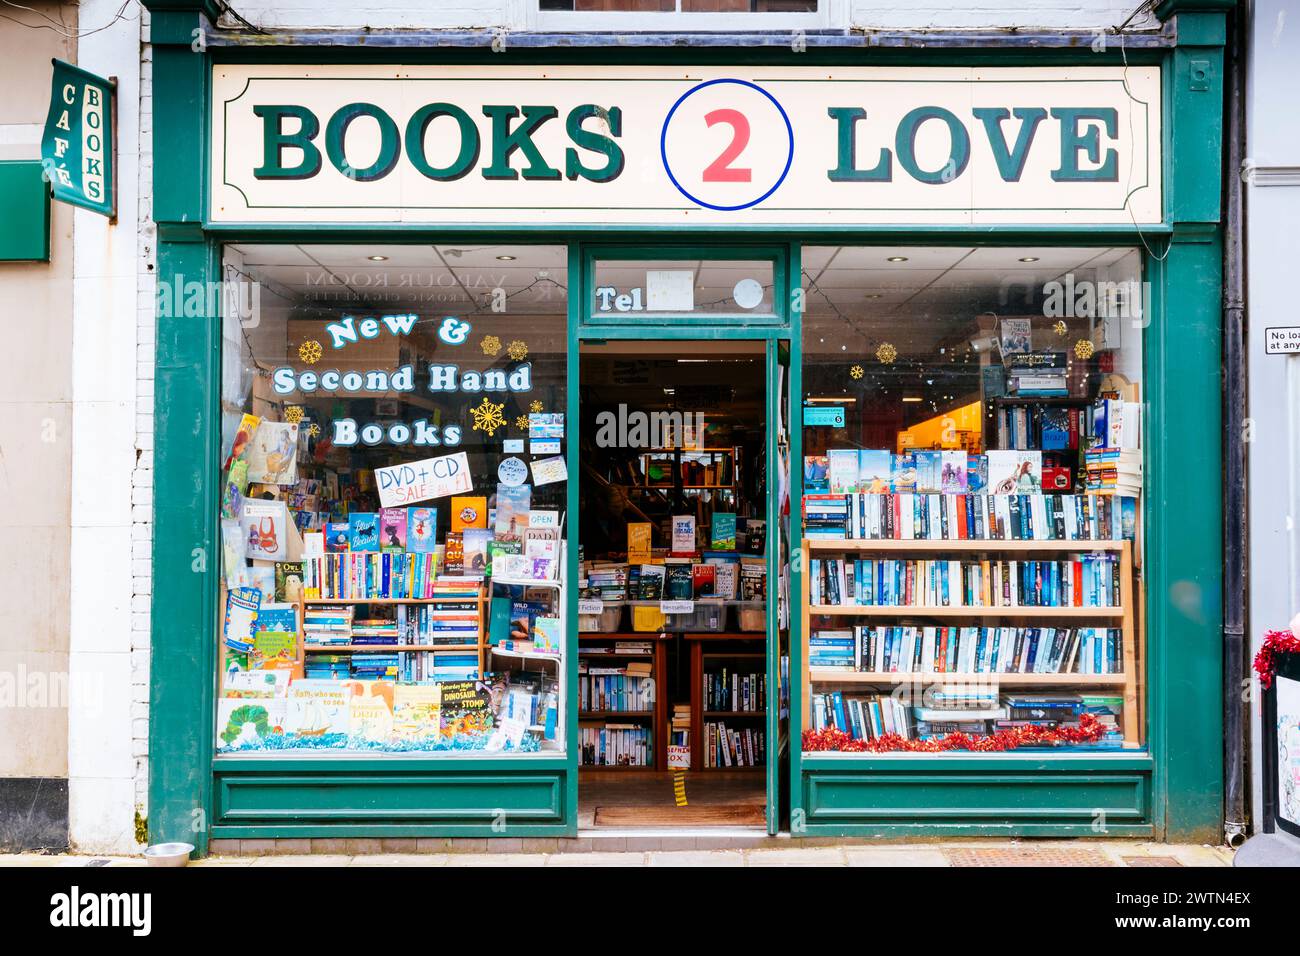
[(663, 145)]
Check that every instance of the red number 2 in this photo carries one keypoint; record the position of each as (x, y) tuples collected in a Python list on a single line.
[(721, 170)]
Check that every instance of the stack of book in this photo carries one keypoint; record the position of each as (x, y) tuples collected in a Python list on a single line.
[(680, 726), (971, 710), (1116, 470), (1037, 374), (323, 626), (624, 689), (615, 745), (1117, 423), (374, 667), (374, 630), (724, 747), (607, 580), (864, 718), (328, 667)]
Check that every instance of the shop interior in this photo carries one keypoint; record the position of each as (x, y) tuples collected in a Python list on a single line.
[(673, 508)]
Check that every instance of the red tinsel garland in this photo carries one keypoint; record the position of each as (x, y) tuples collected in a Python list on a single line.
[(1089, 731), (1275, 643)]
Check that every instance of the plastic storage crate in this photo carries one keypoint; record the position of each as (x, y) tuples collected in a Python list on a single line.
[(606, 622), (709, 617), (751, 617)]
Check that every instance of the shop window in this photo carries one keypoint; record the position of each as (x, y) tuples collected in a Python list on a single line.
[(393, 507), (972, 499)]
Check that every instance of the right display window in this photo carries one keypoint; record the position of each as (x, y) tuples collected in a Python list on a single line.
[(972, 506)]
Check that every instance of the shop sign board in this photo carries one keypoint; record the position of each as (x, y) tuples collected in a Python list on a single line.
[(648, 145)]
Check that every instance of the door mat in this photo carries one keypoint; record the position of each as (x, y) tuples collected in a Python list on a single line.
[(738, 815), (1028, 856)]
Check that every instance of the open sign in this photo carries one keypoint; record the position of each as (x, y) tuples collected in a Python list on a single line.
[(421, 480)]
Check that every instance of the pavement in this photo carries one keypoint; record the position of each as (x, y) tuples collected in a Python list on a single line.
[(1065, 853)]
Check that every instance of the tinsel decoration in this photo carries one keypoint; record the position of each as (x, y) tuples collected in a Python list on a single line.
[(1275, 643), (1089, 731), (491, 345), (517, 350), (886, 353), (310, 352), (1084, 348)]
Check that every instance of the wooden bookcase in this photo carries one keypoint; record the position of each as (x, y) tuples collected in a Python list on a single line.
[(656, 717), (731, 647), (1124, 617)]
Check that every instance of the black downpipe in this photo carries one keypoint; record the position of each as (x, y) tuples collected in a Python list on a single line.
[(1234, 443)]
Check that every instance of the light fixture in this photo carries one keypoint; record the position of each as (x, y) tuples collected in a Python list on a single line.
[(913, 398), (872, 295), (897, 259), (378, 258), (824, 399), (505, 258), (1029, 258)]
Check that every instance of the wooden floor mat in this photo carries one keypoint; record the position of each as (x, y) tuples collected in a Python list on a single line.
[(738, 815)]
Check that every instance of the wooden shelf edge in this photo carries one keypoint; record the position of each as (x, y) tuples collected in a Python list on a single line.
[(828, 675), (898, 610), (957, 544)]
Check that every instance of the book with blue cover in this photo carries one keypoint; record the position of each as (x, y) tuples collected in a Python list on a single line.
[(875, 471), (363, 531)]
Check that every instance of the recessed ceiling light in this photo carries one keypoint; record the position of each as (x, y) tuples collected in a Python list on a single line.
[(378, 258), (872, 295), (897, 259), (1029, 258), (505, 258)]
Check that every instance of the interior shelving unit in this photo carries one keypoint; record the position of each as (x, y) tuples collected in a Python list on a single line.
[(706, 649), (656, 717), (1122, 617)]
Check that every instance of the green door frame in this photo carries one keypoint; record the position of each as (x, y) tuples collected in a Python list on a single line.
[(1173, 792)]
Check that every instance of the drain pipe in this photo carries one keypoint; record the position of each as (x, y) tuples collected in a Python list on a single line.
[(1234, 448)]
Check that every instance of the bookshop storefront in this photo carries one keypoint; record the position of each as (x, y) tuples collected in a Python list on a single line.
[(803, 446)]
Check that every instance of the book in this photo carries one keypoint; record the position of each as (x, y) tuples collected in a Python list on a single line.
[(952, 476), (513, 504), (902, 473), (722, 535), (1014, 472), (421, 529), (240, 617), (703, 580), (474, 550), (816, 474), (265, 525), (1016, 335), (683, 536), (363, 531), (678, 581), (468, 511), (650, 584), (875, 468), (929, 471), (337, 537), (272, 455), (392, 529), (639, 538), (842, 470)]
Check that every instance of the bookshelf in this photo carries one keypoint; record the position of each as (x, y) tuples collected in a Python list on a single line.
[(1121, 616), (479, 647), (708, 650), (715, 463), (601, 648)]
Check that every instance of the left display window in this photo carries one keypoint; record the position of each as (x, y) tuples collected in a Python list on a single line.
[(393, 490)]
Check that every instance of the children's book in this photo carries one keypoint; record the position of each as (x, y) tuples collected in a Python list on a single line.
[(363, 531), (243, 435), (468, 512), (236, 485), (276, 616), (274, 650), (722, 535), (336, 537), (464, 708), (288, 581), (233, 564), (248, 723), (546, 634), (265, 525), (415, 709), (392, 529), (240, 618), (272, 455), (874, 471), (421, 529), (260, 684), (318, 707)]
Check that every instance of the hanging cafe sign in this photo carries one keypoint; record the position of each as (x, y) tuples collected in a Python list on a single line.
[(656, 145), (77, 145)]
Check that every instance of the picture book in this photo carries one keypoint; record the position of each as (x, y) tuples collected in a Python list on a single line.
[(474, 545), (464, 708), (842, 470), (392, 529), (722, 536), (260, 684), (415, 709), (874, 471), (288, 581), (233, 565), (236, 485), (336, 537), (546, 634), (244, 433), (952, 478), (1015, 472), (929, 472), (468, 512), (363, 531), (265, 525), (683, 534), (272, 455), (902, 473), (262, 576), (421, 529), (247, 723), (318, 707), (274, 650), (639, 540), (240, 617), (816, 474), (370, 710), (276, 616), (513, 504)]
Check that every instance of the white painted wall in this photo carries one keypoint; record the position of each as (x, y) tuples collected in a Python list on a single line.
[(103, 663), (1273, 208)]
